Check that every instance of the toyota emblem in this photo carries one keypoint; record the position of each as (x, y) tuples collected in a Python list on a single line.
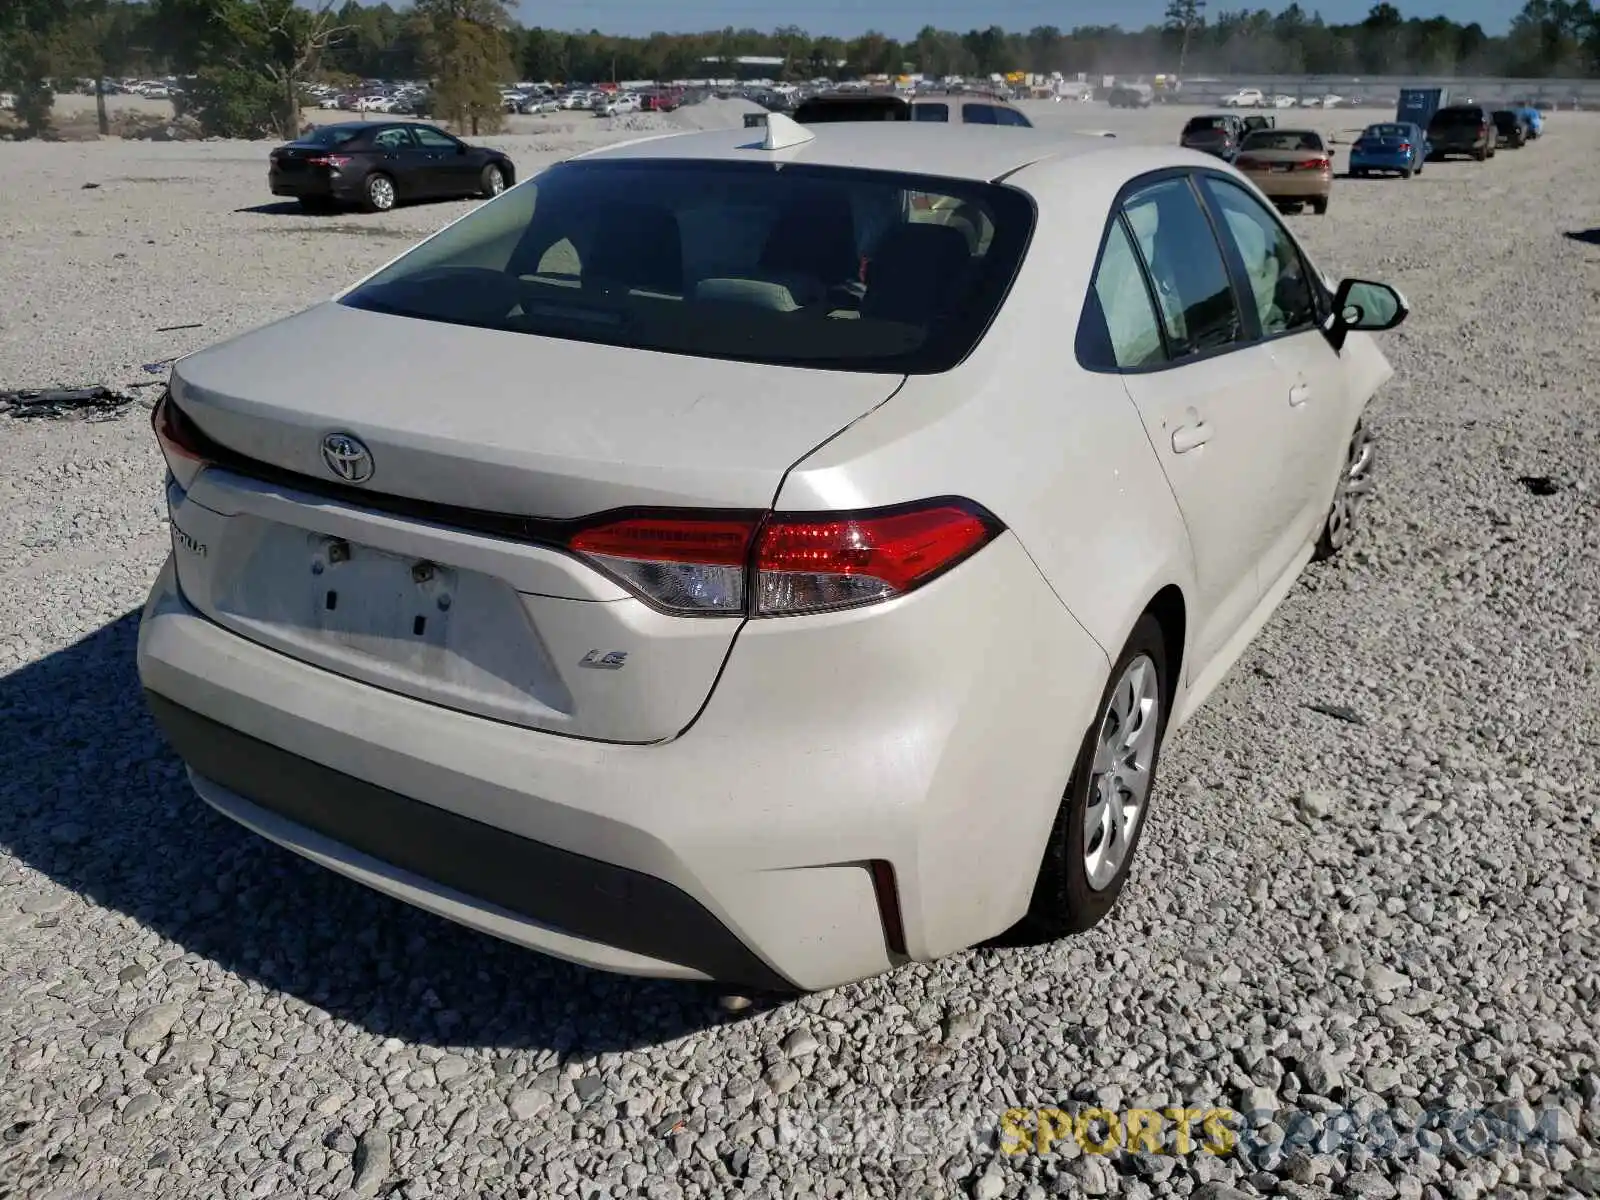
[(347, 457)]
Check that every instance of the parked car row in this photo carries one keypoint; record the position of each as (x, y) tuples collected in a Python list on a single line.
[(1477, 131), (1256, 98), (1294, 167)]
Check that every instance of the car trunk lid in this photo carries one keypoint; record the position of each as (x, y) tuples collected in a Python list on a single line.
[(300, 156), (443, 576)]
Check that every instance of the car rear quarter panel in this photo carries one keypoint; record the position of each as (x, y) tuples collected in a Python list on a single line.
[(1056, 452)]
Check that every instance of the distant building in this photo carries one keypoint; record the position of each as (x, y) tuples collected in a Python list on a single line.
[(748, 66)]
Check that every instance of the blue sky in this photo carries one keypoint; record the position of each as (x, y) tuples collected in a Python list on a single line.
[(902, 18)]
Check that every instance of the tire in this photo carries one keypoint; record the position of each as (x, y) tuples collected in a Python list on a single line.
[(1074, 891), (1353, 488), (1406, 172), (1320, 207), (492, 182), (1480, 154), (378, 193)]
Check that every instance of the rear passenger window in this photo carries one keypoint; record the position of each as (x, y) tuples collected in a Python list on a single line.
[(930, 112), (1193, 292), (1280, 284), (1009, 116), (1131, 327), (979, 114)]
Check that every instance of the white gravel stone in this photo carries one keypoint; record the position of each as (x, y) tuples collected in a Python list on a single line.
[(151, 1027), (526, 1105)]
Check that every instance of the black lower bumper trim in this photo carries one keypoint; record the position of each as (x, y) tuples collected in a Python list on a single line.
[(576, 894)]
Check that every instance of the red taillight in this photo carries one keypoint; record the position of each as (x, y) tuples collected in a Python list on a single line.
[(328, 160), (1404, 146), (681, 564), (814, 564), (785, 564), (179, 442), (1315, 164)]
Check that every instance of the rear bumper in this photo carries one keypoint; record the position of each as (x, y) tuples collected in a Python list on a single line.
[(319, 811), (312, 186), (1381, 162), (936, 738), (1291, 185)]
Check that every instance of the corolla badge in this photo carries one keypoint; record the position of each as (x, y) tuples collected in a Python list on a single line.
[(347, 457)]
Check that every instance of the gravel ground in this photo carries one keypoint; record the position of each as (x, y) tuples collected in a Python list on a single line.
[(1368, 896)]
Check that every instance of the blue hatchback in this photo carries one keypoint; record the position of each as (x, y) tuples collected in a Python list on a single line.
[(1394, 147)]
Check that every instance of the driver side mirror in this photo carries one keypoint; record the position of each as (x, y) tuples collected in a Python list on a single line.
[(1367, 306)]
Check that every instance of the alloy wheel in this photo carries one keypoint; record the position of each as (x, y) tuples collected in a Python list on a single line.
[(381, 192), (1355, 485), (1119, 784)]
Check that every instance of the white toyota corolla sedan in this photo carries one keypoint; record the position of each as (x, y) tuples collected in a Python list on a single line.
[(759, 560)]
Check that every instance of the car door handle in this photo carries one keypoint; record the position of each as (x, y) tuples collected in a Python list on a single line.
[(1299, 394), (1190, 437)]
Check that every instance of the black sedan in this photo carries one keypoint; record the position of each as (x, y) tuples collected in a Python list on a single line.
[(377, 164)]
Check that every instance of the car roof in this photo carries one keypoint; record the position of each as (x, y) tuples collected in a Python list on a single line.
[(975, 152)]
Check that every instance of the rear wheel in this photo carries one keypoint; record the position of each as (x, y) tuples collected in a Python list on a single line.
[(1480, 154), (1405, 172), (1354, 486), (1097, 828), (378, 195), (492, 182), (1320, 206)]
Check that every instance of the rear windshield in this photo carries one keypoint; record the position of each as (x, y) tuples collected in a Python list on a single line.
[(1274, 139), (762, 262), (331, 135), (1389, 131), (1458, 116), (1203, 124)]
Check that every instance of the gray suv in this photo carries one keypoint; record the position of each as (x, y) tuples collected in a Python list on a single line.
[(1461, 129)]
